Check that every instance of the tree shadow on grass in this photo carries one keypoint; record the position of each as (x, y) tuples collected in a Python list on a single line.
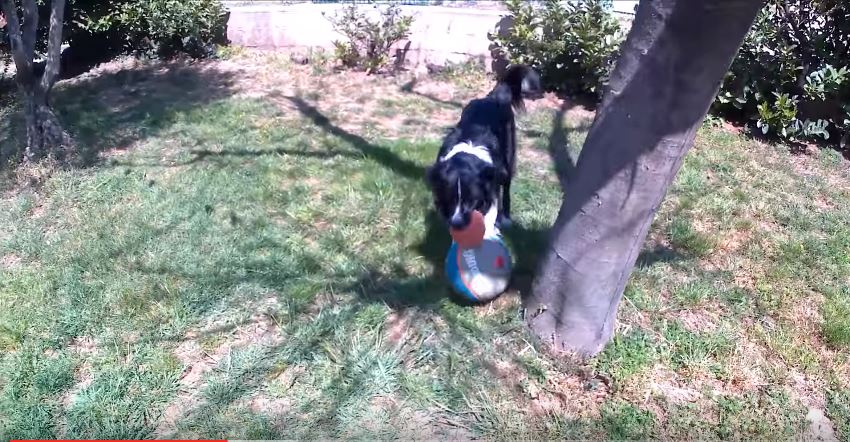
[(559, 147), (400, 291), (397, 292), (112, 111), (382, 155), (658, 253), (108, 111), (396, 289), (409, 89)]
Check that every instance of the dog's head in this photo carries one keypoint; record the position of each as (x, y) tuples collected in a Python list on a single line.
[(462, 185)]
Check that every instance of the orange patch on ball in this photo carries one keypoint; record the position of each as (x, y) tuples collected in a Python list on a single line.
[(473, 234)]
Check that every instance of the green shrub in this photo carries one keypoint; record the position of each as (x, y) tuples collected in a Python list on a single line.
[(369, 40), (791, 78), (164, 27), (97, 30), (572, 44), (791, 75)]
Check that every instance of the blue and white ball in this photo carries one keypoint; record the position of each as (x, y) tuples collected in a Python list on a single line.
[(482, 273)]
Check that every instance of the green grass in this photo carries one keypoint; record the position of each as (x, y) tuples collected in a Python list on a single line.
[(838, 409), (623, 421), (124, 396), (217, 265), (628, 355), (683, 236), (695, 351), (836, 319), (694, 293)]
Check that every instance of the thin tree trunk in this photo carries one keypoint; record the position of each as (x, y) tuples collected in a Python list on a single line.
[(669, 72), (44, 130)]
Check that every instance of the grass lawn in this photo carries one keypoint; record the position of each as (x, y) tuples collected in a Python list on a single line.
[(245, 248)]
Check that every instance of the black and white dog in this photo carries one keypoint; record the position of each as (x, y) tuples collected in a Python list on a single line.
[(476, 163)]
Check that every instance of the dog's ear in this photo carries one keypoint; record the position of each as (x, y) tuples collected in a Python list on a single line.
[(497, 174)]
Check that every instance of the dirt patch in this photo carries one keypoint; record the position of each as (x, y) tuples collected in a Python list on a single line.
[(406, 106), (630, 316), (732, 127), (570, 395), (820, 427), (804, 164), (805, 315), (448, 94), (10, 261), (731, 241), (505, 372), (746, 366), (808, 386), (31, 176), (753, 366), (808, 166), (437, 424), (747, 273), (807, 390), (501, 304), (699, 319), (397, 325), (387, 107), (823, 203), (666, 384), (263, 404), (579, 114), (83, 348), (272, 401), (83, 378)]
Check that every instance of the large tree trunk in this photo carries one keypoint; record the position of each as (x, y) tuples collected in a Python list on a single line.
[(44, 131), (669, 72)]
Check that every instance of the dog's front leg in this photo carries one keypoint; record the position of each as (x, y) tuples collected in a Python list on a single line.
[(504, 218)]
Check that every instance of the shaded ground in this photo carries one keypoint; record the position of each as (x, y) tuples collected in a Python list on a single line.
[(245, 249)]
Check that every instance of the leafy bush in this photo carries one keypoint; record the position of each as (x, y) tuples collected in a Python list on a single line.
[(97, 30), (369, 39), (572, 44), (163, 27), (791, 75)]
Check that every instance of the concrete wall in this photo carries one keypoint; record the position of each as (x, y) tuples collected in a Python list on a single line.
[(439, 34)]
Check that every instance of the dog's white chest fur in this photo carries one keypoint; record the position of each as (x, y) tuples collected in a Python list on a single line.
[(480, 152), (490, 218), (483, 154)]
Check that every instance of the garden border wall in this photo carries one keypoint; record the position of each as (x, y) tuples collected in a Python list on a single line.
[(439, 35)]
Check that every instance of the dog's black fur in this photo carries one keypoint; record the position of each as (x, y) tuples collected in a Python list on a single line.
[(487, 122)]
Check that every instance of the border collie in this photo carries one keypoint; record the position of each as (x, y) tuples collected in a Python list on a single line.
[(476, 162)]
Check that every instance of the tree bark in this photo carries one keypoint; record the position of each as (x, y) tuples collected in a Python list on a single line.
[(669, 71), (44, 130)]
